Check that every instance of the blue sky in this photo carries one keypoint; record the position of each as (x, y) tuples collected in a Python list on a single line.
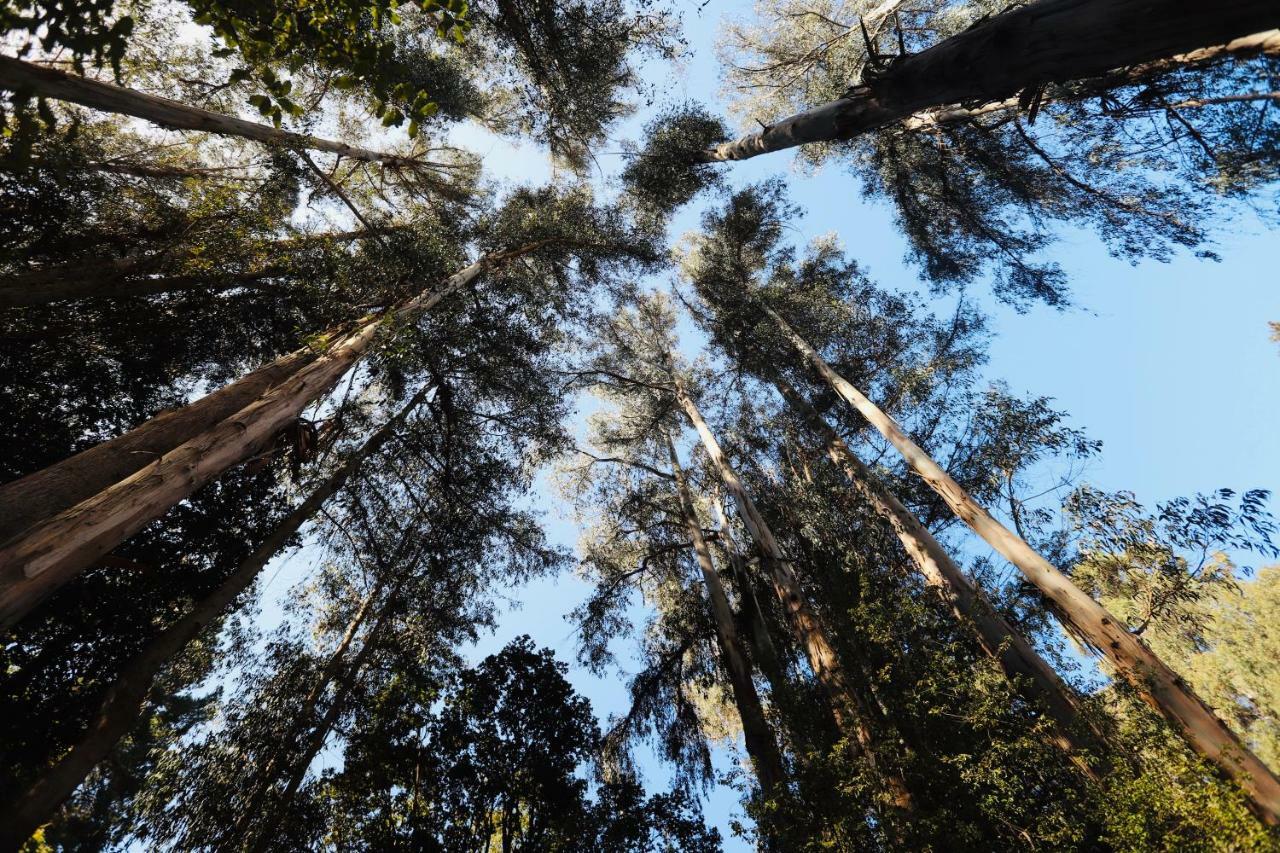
[(1169, 365)]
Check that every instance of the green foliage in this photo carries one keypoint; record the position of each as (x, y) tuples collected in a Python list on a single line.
[(665, 173)]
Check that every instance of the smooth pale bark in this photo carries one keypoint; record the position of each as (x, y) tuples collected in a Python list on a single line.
[(1161, 687), (29, 78), (847, 705), (124, 701), (758, 737), (47, 555), (970, 604), (1026, 47)]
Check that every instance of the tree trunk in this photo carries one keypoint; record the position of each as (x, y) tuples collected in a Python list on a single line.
[(49, 491), (969, 604), (763, 648), (53, 551), (123, 703), (1024, 48), (108, 279), (847, 706), (260, 839), (29, 78), (1162, 688), (760, 743), (111, 286)]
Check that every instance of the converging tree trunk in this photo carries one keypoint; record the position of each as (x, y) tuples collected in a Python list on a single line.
[(29, 78), (848, 707), (971, 606), (124, 701), (1162, 688), (762, 645), (1024, 48), (759, 739), (53, 551)]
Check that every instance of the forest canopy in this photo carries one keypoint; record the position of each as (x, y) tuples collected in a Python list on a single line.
[(422, 430)]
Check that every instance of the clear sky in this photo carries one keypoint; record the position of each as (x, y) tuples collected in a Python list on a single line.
[(1169, 365)]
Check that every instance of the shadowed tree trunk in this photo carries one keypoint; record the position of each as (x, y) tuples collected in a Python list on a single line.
[(123, 703), (970, 605), (53, 551), (1162, 688), (1022, 49), (760, 743), (848, 707), (29, 78)]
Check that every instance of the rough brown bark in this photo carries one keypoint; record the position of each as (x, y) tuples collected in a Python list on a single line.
[(26, 77), (124, 701), (997, 637), (43, 557), (848, 707), (1130, 659), (1026, 47), (760, 743)]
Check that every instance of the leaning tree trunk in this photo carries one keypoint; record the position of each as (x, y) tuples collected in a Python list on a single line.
[(29, 78), (48, 554), (1162, 688), (760, 743), (1023, 49), (970, 605), (120, 277), (123, 703), (117, 288), (848, 707), (762, 645)]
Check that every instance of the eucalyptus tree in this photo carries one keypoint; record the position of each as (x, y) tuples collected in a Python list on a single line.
[(1143, 148), (745, 248)]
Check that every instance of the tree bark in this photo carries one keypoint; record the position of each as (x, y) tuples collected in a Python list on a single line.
[(53, 551), (970, 605), (1162, 688), (123, 703), (848, 707), (113, 286), (762, 645), (1024, 48), (760, 743), (27, 77), (49, 491)]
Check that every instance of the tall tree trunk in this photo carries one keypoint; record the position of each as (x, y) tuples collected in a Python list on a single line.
[(997, 637), (53, 551), (123, 703), (29, 78), (760, 743), (848, 707), (762, 645), (110, 279), (1162, 688), (114, 287), (1024, 48), (49, 491)]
